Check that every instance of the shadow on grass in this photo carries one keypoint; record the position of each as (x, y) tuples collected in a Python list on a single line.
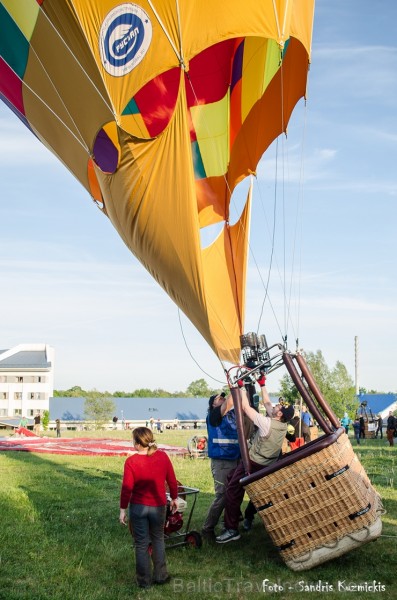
[(60, 526)]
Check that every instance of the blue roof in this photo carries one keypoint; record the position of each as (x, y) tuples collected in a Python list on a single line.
[(139, 409), (378, 403)]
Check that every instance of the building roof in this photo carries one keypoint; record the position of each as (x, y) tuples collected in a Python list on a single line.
[(25, 359), (184, 409), (379, 403), (140, 409)]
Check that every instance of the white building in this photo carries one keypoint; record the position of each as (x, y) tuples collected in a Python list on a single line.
[(26, 380)]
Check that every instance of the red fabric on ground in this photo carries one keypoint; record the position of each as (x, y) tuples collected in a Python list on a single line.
[(80, 446), (25, 432)]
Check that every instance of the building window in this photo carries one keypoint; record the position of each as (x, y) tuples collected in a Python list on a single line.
[(3, 412), (19, 379), (30, 412), (17, 412), (3, 395), (17, 395)]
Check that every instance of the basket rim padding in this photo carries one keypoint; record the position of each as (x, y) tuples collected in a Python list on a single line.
[(292, 457)]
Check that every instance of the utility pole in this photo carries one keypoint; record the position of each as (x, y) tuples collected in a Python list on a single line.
[(356, 363)]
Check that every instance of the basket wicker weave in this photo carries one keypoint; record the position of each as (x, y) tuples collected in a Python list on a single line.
[(319, 505)]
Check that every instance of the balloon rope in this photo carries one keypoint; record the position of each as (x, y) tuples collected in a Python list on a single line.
[(107, 104), (274, 211), (277, 21), (191, 355), (226, 225), (182, 59), (249, 244), (288, 287), (273, 262), (266, 286), (79, 141), (298, 235), (24, 84), (167, 35)]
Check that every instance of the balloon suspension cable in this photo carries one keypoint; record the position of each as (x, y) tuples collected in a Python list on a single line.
[(227, 225), (266, 286), (276, 18), (191, 355), (287, 295), (181, 58), (111, 109), (167, 35), (78, 140)]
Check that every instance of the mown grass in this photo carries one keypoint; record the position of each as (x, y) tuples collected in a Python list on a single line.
[(61, 539)]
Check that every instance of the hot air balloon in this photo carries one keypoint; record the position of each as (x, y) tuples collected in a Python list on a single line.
[(160, 108)]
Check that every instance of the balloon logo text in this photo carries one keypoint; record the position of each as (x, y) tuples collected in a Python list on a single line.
[(124, 38)]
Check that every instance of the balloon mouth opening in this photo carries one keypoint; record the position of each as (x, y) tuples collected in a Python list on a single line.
[(106, 155)]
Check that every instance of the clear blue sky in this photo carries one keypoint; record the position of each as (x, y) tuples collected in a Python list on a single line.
[(68, 280)]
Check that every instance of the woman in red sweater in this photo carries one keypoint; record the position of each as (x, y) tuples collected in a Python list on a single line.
[(143, 489)]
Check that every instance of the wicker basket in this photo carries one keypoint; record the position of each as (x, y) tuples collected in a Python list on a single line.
[(317, 503)]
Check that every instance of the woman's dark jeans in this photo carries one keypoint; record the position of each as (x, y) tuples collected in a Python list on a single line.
[(148, 528)]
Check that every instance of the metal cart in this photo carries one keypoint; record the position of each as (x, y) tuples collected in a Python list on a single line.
[(176, 530)]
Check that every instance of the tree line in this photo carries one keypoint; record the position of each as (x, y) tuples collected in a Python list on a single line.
[(198, 389)]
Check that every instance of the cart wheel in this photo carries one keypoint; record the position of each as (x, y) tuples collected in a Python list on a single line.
[(193, 538)]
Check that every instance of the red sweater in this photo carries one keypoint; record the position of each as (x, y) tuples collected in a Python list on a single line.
[(144, 480)]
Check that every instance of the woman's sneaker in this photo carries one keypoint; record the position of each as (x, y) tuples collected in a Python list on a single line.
[(229, 535)]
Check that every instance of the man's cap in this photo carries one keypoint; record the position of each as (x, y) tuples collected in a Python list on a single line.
[(288, 412), (212, 398)]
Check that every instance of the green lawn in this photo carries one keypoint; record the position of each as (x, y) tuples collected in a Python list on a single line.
[(60, 538)]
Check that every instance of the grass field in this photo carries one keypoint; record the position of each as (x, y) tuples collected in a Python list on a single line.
[(60, 538)]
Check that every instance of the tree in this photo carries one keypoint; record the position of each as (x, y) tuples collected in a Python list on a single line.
[(288, 390), (98, 409), (46, 419), (336, 385), (74, 392), (143, 393), (199, 388), (344, 395)]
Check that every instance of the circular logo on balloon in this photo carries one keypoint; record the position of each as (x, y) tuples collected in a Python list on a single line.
[(124, 38)]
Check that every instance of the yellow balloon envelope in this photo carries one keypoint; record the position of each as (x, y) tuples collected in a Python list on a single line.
[(160, 108)]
